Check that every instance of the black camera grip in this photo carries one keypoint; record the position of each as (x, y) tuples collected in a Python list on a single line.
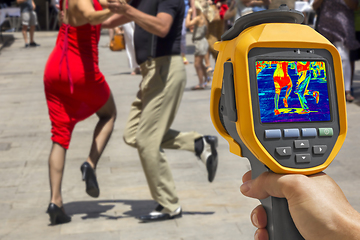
[(280, 225)]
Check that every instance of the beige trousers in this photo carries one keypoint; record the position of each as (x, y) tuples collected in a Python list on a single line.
[(148, 126)]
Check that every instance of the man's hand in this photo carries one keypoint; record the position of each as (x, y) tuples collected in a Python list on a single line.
[(117, 6), (317, 205)]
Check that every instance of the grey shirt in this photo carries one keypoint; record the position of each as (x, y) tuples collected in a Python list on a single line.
[(26, 6)]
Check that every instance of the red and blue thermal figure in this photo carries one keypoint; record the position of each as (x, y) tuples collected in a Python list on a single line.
[(293, 91)]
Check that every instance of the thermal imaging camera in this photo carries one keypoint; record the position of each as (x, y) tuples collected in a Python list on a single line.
[(278, 98)]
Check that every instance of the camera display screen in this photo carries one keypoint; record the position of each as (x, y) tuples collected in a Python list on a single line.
[(292, 91)]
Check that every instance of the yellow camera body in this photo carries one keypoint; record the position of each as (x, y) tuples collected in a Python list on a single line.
[(278, 98), (268, 45)]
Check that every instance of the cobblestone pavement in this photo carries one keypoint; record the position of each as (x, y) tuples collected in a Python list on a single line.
[(211, 210)]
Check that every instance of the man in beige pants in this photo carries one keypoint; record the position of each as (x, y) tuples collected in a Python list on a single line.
[(157, 37)]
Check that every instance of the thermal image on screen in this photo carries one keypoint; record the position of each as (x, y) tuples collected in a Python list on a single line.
[(292, 91)]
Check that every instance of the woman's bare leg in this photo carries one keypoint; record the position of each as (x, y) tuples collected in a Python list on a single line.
[(207, 59), (24, 33), (199, 67), (31, 33), (103, 130), (102, 133), (56, 169), (204, 69), (111, 34)]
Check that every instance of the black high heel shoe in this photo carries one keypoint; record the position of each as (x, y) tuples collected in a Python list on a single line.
[(57, 215), (88, 175)]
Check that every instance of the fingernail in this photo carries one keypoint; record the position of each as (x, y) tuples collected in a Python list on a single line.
[(256, 235), (255, 220), (245, 187)]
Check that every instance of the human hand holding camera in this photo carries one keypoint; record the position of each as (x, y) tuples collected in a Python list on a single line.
[(317, 205)]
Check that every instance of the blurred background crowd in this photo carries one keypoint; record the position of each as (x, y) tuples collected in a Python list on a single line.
[(337, 20)]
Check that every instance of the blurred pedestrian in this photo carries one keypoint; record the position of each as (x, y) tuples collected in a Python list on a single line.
[(28, 20), (209, 13), (128, 29), (335, 21), (275, 4), (200, 42), (183, 34), (157, 37), (111, 32), (256, 5), (216, 26), (235, 10), (75, 89), (222, 7)]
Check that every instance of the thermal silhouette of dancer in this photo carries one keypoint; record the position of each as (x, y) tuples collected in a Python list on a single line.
[(281, 80), (302, 85)]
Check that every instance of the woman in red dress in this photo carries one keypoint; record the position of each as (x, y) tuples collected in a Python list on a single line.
[(75, 89)]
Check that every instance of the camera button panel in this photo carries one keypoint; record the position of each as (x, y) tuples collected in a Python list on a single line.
[(299, 147)]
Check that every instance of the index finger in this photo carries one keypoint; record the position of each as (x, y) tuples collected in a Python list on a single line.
[(270, 184)]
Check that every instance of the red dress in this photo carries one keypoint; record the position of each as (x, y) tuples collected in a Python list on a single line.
[(74, 86), (281, 76)]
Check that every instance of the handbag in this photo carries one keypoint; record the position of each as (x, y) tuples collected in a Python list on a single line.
[(117, 43)]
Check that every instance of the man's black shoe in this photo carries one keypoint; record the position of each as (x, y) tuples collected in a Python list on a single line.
[(209, 155), (158, 215), (34, 44)]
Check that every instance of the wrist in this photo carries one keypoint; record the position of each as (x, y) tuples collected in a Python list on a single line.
[(345, 226), (352, 228), (127, 10)]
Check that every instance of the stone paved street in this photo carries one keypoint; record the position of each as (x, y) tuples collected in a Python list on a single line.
[(211, 210)]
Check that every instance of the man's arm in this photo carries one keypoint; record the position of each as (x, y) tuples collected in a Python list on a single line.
[(104, 3), (115, 20), (158, 25)]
